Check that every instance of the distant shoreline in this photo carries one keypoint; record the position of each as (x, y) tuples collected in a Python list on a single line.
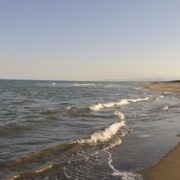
[(171, 86)]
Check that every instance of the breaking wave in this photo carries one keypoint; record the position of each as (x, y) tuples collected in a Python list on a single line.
[(165, 108), (100, 106), (107, 133)]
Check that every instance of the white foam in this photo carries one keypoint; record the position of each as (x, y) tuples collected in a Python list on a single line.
[(117, 142), (66, 174), (103, 135), (167, 92), (125, 175), (159, 97), (83, 84), (139, 99), (107, 133), (14, 177), (109, 86), (97, 107), (128, 175), (165, 108), (139, 88), (69, 108), (100, 106), (43, 169), (119, 114), (142, 114)]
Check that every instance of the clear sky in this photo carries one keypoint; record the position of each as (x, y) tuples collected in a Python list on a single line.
[(89, 39)]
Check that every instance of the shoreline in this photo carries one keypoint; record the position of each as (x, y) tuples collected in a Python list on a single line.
[(166, 169), (172, 86)]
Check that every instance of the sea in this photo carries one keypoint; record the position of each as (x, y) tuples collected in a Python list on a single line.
[(84, 130)]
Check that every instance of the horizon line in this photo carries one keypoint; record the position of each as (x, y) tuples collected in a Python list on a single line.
[(105, 80)]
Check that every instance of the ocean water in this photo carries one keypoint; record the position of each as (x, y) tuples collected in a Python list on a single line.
[(84, 130)]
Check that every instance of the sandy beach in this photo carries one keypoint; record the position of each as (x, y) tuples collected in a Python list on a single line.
[(173, 86), (168, 167)]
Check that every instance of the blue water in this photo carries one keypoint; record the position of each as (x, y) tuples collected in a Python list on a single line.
[(83, 130)]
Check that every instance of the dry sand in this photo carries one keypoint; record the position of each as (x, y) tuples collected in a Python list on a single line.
[(167, 169)]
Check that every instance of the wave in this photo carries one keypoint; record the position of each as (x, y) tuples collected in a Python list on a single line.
[(72, 110), (84, 84), (121, 102), (44, 159), (165, 108), (120, 115), (159, 97), (106, 134), (103, 135), (170, 106), (11, 128)]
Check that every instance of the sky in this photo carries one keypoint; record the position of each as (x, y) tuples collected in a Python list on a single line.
[(89, 39)]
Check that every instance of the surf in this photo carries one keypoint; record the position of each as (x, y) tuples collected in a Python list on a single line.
[(100, 106), (106, 134)]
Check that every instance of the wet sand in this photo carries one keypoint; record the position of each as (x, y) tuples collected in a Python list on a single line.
[(167, 169), (173, 86)]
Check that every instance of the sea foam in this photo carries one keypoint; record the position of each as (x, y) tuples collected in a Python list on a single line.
[(107, 133), (125, 175), (165, 108), (100, 106), (83, 84)]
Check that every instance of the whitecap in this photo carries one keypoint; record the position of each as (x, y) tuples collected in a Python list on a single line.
[(103, 135), (107, 133), (83, 84), (165, 108), (100, 106), (120, 115), (159, 97), (97, 107)]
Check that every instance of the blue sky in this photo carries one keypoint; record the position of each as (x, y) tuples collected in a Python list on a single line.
[(89, 39)]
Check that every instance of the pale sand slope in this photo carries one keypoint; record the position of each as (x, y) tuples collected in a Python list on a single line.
[(167, 169), (164, 86)]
